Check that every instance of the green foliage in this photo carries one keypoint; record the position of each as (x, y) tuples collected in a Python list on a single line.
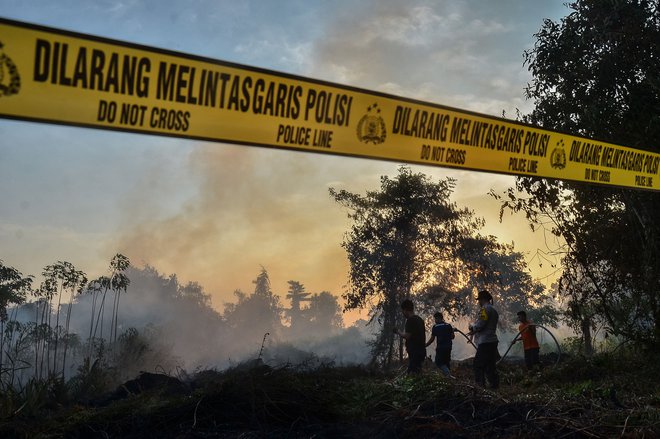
[(91, 381), (34, 398), (366, 397), (596, 74), (572, 345)]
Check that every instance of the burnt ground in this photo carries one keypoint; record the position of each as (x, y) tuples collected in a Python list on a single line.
[(602, 397)]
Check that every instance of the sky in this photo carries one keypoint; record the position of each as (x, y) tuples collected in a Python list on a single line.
[(216, 213)]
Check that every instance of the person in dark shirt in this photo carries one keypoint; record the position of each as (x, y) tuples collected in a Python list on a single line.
[(415, 336), (444, 334)]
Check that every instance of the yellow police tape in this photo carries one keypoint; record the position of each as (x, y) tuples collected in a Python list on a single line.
[(50, 75)]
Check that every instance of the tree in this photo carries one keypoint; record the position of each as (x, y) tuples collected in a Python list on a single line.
[(193, 293), (597, 74), (582, 304), (324, 314), (403, 238), (256, 314), (296, 294), (13, 288), (62, 277), (13, 291), (502, 271), (118, 281)]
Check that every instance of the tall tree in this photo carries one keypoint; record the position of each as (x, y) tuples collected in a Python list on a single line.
[(256, 314), (296, 294), (403, 237), (597, 74), (118, 281)]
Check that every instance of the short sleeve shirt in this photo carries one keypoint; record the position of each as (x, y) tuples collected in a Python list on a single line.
[(443, 333), (415, 327), (528, 335)]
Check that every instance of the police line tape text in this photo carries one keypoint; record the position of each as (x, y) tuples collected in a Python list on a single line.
[(523, 165), (444, 155), (596, 175), (120, 73), (304, 136), (134, 115)]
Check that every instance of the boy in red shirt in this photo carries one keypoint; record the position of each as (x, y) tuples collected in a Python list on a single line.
[(528, 337)]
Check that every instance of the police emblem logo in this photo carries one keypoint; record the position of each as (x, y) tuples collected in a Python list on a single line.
[(10, 80), (558, 156), (371, 126)]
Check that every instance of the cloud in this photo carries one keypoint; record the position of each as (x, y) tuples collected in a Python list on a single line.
[(435, 51)]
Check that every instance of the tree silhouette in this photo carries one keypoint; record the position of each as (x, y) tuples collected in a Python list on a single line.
[(410, 241), (13, 291), (596, 73), (256, 314), (324, 314), (118, 281), (297, 295), (402, 239)]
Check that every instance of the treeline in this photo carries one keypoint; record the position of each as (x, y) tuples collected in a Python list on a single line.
[(70, 329), (36, 337)]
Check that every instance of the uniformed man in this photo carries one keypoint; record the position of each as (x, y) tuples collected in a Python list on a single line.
[(484, 330)]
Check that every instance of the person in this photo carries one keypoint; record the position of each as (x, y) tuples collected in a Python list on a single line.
[(484, 330), (527, 332), (415, 335), (445, 334)]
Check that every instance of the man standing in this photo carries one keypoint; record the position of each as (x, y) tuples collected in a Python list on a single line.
[(485, 337), (445, 334), (527, 331), (415, 335)]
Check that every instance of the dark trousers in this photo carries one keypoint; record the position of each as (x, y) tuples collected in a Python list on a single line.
[(532, 357), (442, 357), (415, 359), (485, 365)]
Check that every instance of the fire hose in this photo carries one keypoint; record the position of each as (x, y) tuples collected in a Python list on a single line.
[(469, 340)]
